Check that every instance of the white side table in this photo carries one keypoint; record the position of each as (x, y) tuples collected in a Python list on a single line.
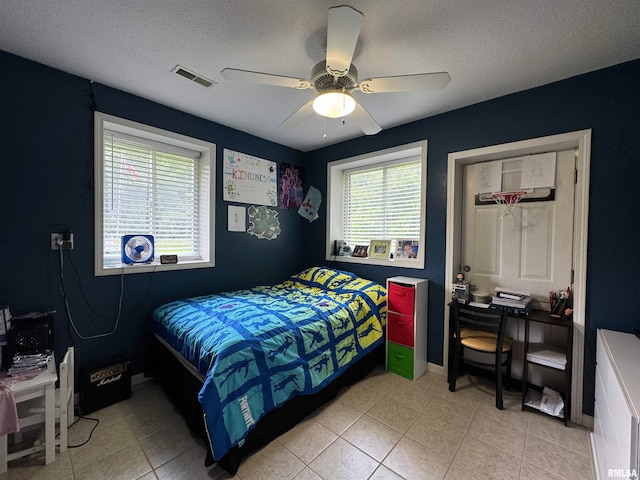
[(41, 386)]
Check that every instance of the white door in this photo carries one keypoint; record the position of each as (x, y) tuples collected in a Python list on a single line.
[(528, 251)]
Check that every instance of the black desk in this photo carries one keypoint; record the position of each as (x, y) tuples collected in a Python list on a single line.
[(541, 317)]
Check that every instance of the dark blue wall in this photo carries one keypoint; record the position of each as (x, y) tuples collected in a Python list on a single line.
[(46, 184), (46, 181), (608, 102)]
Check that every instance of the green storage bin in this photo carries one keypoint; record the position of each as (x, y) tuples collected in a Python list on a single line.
[(400, 360)]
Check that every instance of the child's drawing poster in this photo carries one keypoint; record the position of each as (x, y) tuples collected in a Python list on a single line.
[(489, 177), (237, 218), (249, 179), (539, 171), (311, 204)]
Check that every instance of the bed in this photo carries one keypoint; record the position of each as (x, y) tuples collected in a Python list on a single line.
[(261, 359)]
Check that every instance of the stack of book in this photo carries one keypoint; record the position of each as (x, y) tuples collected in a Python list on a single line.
[(514, 302), (29, 363)]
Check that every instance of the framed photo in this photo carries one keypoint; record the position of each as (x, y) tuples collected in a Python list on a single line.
[(380, 249), (407, 248), (360, 251)]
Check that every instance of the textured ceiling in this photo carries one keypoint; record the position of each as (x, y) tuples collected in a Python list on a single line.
[(489, 47)]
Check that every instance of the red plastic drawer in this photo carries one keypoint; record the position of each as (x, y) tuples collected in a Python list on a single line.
[(401, 298), (400, 329)]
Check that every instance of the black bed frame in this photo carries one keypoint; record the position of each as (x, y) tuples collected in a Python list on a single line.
[(182, 387)]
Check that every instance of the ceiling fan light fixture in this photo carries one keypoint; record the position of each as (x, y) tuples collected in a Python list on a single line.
[(334, 104)]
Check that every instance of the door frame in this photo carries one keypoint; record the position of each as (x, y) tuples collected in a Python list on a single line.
[(579, 140)]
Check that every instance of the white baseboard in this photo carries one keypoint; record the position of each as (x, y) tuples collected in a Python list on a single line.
[(434, 368), (594, 454), (587, 421)]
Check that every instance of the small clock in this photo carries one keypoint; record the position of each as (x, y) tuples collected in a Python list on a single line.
[(168, 259)]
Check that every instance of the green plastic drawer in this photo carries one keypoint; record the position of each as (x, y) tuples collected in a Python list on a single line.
[(400, 360)]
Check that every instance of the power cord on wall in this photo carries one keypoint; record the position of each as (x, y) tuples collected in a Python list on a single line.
[(88, 303), (68, 310)]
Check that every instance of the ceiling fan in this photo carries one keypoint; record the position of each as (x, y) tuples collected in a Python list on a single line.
[(336, 77)]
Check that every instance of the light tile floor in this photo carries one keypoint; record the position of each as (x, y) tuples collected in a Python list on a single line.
[(384, 427)]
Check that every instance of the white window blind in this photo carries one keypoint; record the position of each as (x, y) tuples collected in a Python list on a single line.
[(382, 202), (152, 188)]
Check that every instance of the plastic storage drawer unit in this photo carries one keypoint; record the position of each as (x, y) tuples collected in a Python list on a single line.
[(406, 342)]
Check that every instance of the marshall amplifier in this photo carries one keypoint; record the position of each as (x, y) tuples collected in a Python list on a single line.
[(105, 384)]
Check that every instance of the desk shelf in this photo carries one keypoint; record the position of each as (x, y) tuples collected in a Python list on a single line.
[(547, 356), (533, 400), (543, 355)]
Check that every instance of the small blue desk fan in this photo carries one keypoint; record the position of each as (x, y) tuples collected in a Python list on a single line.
[(137, 249)]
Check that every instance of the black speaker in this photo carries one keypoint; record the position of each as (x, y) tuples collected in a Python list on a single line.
[(104, 384)]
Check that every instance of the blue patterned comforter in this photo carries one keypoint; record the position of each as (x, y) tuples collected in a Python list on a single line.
[(258, 348)]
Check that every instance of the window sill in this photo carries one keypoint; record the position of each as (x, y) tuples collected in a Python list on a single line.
[(418, 263), (122, 269)]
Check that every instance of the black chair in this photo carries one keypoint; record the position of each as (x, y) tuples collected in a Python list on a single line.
[(480, 330)]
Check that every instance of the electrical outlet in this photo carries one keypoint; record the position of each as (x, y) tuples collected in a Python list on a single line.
[(55, 239), (65, 240)]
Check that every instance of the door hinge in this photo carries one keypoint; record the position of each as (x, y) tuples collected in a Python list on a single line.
[(575, 180), (572, 275)]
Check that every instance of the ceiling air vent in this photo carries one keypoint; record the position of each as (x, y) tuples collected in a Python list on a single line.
[(205, 82)]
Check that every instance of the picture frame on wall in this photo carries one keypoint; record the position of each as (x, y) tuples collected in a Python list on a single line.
[(380, 249), (407, 249)]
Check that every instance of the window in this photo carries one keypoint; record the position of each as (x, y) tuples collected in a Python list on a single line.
[(151, 181), (378, 196)]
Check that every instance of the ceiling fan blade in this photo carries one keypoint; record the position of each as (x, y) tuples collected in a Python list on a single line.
[(296, 117), (264, 78), (365, 121), (405, 83), (342, 36)]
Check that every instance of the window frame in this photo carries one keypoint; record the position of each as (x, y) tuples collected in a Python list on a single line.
[(335, 199), (102, 122)]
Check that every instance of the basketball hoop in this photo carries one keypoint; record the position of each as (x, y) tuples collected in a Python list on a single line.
[(507, 202)]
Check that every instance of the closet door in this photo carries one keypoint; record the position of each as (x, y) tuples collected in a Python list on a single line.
[(529, 251)]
